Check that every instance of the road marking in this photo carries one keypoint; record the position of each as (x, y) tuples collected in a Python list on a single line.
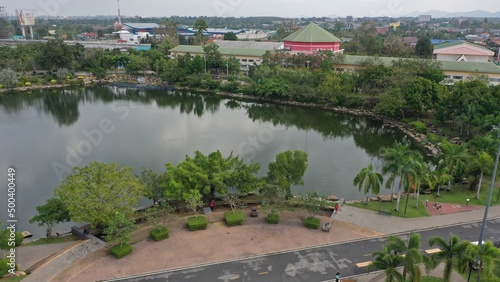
[(265, 272)]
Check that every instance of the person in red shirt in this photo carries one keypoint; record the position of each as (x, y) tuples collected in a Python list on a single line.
[(212, 205), (336, 208)]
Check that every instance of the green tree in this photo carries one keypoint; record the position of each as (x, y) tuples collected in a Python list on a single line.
[(193, 201), (212, 55), (57, 54), (385, 260), (50, 214), (424, 48), (488, 256), (288, 169), (8, 78), (369, 180), (233, 200), (119, 228), (412, 255), (274, 199), (230, 36), (161, 215), (200, 26), (481, 163), (314, 203), (452, 252), (96, 192), (154, 184), (453, 158)]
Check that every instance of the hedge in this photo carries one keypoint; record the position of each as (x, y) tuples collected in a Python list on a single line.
[(197, 223), (418, 126), (312, 222), (235, 218), (121, 251), (273, 218), (158, 235)]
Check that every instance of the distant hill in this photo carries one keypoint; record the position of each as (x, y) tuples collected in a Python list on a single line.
[(443, 14)]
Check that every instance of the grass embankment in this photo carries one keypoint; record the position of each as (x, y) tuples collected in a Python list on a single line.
[(13, 279), (458, 195)]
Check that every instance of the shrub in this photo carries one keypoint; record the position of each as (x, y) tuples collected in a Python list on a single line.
[(418, 126), (312, 222), (49, 78), (63, 73), (235, 218), (27, 83), (197, 223), (159, 234), (273, 218), (120, 251), (434, 139), (8, 78), (4, 240), (53, 81), (4, 267)]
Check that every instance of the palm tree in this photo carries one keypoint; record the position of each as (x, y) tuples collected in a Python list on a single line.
[(396, 161), (487, 254), (436, 178), (453, 158), (452, 253), (413, 257), (481, 163), (371, 180), (385, 260)]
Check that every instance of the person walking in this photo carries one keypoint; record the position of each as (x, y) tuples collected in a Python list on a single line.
[(336, 208), (212, 205), (337, 277)]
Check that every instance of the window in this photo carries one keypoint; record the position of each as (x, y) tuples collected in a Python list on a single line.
[(459, 77), (447, 76)]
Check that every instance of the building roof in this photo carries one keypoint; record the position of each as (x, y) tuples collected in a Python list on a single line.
[(460, 42), (222, 50), (249, 44), (445, 65), (312, 33), (141, 25)]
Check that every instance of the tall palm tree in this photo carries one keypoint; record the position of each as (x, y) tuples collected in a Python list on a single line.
[(385, 260), (453, 158), (369, 180), (436, 178), (487, 255), (452, 253), (413, 257), (481, 163), (396, 160), (417, 169)]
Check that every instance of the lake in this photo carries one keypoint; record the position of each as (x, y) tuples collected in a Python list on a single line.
[(45, 133)]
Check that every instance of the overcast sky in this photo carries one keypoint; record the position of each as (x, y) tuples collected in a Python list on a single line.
[(245, 8)]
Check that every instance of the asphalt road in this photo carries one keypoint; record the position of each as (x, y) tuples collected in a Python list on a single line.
[(314, 264)]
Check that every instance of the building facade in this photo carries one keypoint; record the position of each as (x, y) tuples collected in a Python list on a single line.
[(312, 38)]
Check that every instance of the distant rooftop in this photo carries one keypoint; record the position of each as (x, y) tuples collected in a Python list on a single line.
[(249, 44), (141, 25), (312, 33), (223, 50), (458, 42)]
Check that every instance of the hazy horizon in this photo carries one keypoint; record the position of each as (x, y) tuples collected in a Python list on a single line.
[(242, 8)]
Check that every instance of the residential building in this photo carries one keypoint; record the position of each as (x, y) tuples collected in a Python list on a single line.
[(462, 51)]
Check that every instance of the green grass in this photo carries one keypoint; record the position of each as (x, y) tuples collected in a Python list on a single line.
[(53, 240), (13, 279), (411, 211)]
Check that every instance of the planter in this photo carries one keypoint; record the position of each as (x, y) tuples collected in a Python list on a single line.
[(312, 222), (273, 218), (159, 234), (121, 251), (233, 218), (197, 223)]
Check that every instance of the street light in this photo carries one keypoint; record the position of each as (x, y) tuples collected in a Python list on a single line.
[(308, 64), (483, 225)]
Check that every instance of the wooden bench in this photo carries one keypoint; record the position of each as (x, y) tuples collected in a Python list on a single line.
[(385, 212), (432, 251), (361, 264)]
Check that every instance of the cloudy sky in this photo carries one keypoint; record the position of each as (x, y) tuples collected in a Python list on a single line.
[(244, 8)]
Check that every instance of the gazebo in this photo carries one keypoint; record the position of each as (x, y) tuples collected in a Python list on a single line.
[(312, 38)]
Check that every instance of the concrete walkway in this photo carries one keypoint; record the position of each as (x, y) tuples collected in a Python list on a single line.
[(219, 243)]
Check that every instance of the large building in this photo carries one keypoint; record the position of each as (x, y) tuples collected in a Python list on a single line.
[(312, 38), (462, 51)]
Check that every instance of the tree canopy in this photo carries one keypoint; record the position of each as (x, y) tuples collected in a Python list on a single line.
[(288, 169)]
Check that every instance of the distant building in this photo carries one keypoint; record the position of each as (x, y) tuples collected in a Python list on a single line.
[(424, 18), (410, 40), (134, 32), (312, 38), (462, 51)]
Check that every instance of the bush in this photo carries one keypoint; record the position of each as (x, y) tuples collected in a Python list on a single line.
[(53, 81), (121, 251), (235, 218), (197, 223), (273, 218), (63, 73), (158, 235), (312, 222), (49, 78), (418, 126), (434, 139)]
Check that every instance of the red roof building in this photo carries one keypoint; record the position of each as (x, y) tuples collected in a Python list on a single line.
[(312, 38)]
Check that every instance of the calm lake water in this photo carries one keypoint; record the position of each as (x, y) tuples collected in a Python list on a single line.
[(45, 133)]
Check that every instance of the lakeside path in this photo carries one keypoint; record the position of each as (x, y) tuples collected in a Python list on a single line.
[(220, 243)]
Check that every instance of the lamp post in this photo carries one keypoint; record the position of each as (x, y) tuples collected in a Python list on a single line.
[(227, 66), (308, 64), (483, 225), (205, 59), (283, 62)]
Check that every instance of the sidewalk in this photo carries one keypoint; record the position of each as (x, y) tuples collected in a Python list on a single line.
[(219, 242)]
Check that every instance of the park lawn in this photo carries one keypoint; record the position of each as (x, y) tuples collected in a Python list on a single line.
[(460, 193), (431, 279), (411, 211), (53, 240), (13, 279)]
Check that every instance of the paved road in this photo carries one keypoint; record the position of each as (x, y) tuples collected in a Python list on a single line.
[(314, 264)]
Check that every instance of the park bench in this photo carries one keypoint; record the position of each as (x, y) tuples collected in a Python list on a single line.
[(432, 251), (385, 212), (361, 264)]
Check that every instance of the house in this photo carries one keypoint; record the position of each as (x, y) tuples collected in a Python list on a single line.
[(462, 51), (410, 40), (312, 38)]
